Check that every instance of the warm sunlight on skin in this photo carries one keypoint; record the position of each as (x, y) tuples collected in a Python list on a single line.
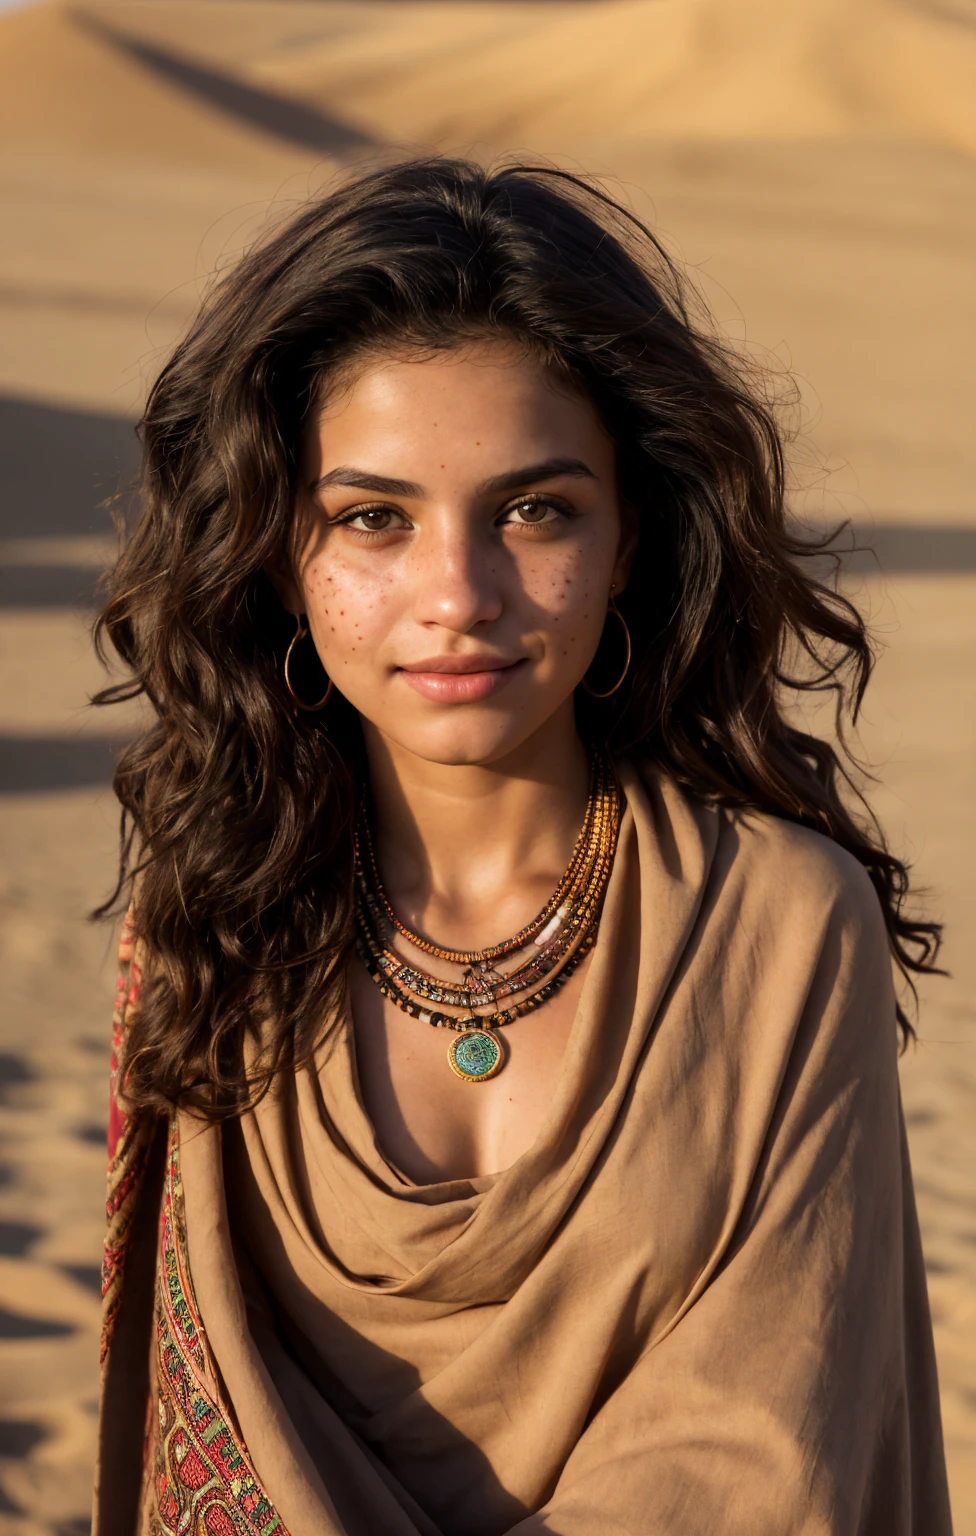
[(464, 534), (458, 606)]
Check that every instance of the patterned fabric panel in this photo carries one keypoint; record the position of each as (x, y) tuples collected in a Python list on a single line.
[(202, 1483)]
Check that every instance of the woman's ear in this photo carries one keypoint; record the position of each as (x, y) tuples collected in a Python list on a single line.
[(627, 548)]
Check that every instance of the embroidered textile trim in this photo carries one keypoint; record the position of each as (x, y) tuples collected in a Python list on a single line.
[(202, 1483), (198, 1479)]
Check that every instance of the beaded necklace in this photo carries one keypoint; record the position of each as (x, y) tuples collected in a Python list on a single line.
[(555, 942)]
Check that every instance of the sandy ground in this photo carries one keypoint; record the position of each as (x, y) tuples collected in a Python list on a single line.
[(814, 165)]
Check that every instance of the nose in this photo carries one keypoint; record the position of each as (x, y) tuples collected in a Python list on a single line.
[(458, 577)]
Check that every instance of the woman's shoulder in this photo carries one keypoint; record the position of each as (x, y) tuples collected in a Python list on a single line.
[(811, 903), (790, 941), (797, 859), (782, 862)]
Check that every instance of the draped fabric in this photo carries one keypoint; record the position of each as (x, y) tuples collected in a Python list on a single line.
[(696, 1304)]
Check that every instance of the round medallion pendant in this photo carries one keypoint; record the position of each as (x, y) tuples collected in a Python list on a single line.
[(475, 1055)]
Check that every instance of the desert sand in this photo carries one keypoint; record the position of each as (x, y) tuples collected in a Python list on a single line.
[(815, 167)]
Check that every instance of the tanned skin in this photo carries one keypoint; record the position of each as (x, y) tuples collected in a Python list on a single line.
[(461, 535)]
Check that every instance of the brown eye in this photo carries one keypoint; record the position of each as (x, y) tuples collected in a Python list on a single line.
[(531, 513), (375, 520)]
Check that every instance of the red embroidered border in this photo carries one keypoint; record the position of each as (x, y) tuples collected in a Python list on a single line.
[(202, 1479), (199, 1479)]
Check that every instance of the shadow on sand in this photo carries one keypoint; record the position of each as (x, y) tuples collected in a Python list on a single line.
[(283, 117), (40, 764), (59, 467)]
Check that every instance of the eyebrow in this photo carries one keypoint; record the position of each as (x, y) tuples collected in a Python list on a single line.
[(362, 480), (513, 480), (549, 469)]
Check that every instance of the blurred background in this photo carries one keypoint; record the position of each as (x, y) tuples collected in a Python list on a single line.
[(813, 163)]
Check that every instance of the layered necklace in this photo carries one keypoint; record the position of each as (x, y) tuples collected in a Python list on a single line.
[(544, 953)]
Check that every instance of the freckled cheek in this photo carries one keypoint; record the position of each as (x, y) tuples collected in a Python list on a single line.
[(349, 613), (567, 588)]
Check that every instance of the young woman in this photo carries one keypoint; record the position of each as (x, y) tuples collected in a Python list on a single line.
[(507, 1132)]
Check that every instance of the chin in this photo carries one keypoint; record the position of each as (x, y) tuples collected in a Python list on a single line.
[(465, 744)]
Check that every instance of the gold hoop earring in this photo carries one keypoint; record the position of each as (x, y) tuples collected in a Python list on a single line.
[(612, 608), (310, 709)]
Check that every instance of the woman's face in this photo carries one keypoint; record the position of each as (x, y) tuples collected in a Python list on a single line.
[(460, 540)]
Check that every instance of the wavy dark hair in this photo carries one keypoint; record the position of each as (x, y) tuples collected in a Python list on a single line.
[(238, 811)]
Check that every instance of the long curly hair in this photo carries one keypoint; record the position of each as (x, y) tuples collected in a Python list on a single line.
[(238, 811)]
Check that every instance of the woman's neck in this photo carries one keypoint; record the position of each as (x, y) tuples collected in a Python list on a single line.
[(470, 853)]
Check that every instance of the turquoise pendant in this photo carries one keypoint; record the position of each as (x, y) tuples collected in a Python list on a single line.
[(475, 1054)]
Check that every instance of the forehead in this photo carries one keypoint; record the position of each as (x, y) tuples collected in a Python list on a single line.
[(483, 401)]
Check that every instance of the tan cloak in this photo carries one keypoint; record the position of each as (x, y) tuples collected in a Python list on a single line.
[(696, 1305)]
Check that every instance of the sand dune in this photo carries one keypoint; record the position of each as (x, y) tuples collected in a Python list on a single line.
[(552, 75), (808, 159), (65, 87), (641, 68), (556, 75)]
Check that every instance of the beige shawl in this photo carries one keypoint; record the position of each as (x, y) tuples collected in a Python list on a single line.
[(695, 1305)]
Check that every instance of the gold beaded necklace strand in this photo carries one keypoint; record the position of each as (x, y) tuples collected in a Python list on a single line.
[(508, 946), (554, 943)]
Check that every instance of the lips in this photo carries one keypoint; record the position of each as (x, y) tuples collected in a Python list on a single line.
[(460, 679)]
